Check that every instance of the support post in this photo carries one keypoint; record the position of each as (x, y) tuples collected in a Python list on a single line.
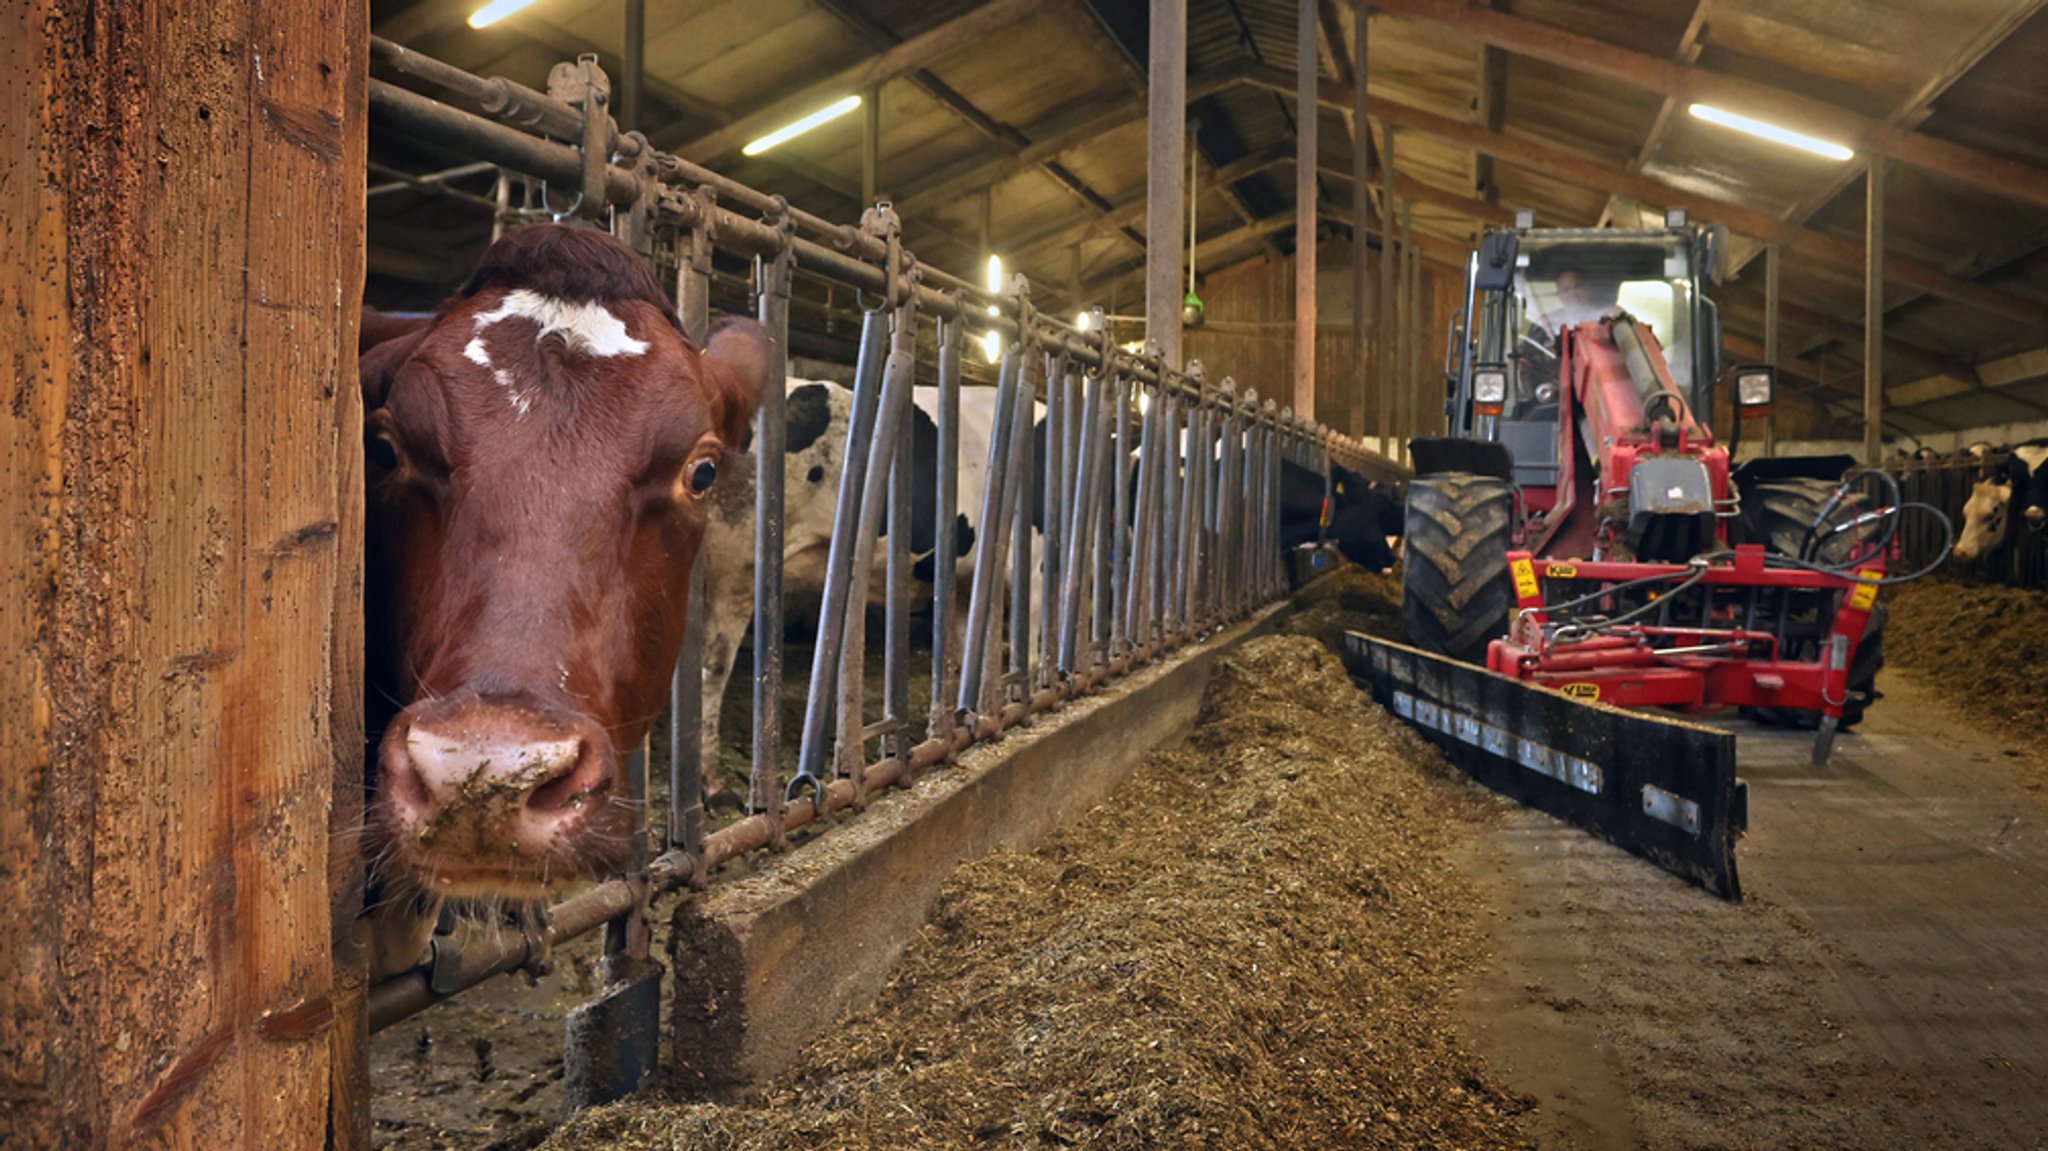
[(181, 540), (870, 146), (1307, 114), (1165, 190), (1404, 360), (632, 77), (1772, 252), (1390, 321), (1873, 312), (1363, 324), (1418, 325)]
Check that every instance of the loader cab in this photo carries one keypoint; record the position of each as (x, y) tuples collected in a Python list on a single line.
[(1525, 285)]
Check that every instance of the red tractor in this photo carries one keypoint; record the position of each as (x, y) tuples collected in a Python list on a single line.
[(1582, 528)]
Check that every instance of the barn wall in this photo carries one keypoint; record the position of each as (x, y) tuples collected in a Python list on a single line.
[(1249, 334), (180, 523)]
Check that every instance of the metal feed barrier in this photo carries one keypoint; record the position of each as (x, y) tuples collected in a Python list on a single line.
[(1944, 483), (1160, 489)]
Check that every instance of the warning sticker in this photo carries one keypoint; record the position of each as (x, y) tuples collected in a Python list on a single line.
[(1588, 691), (1562, 571), (1525, 579), (1865, 593)]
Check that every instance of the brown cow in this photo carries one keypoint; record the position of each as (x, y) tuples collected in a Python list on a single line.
[(540, 452)]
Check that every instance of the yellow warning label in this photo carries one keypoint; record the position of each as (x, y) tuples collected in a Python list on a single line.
[(1865, 593), (1562, 571), (1587, 691), (1525, 579)]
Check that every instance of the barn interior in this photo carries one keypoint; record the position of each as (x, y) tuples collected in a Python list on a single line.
[(1022, 133), (1164, 816)]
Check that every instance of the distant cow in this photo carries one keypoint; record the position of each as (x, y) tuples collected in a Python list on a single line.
[(541, 450), (1363, 515), (2021, 480)]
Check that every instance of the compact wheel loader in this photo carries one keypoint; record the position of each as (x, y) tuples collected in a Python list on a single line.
[(1581, 528)]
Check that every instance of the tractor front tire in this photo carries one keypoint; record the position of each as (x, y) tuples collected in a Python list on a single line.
[(1779, 514), (1455, 594)]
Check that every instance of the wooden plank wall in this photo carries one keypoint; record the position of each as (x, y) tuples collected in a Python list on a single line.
[(181, 253), (1249, 335)]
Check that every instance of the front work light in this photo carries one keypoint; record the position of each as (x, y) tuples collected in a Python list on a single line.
[(1489, 389), (1753, 388)]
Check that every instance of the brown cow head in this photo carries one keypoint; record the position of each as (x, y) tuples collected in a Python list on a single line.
[(540, 455)]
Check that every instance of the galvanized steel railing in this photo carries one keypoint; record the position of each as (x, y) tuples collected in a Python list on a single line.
[(1945, 483), (1161, 496)]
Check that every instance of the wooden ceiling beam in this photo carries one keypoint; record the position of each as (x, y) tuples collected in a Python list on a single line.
[(912, 54), (1749, 221), (1554, 45), (1688, 54)]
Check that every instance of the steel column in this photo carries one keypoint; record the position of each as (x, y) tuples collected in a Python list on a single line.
[(1389, 333), (1873, 312), (1307, 119)]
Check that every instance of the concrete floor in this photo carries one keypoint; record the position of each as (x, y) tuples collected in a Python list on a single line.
[(1884, 983)]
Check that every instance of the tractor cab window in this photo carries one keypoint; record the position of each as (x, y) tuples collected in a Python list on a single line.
[(1562, 283)]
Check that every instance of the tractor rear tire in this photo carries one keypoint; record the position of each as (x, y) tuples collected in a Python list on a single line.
[(1455, 594), (1778, 514)]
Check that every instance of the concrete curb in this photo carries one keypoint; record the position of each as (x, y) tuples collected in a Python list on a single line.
[(767, 962)]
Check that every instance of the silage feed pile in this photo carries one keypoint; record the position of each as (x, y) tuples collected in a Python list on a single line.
[(1348, 599), (1982, 648), (1251, 946)]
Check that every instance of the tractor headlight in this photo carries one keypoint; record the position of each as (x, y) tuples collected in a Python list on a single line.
[(1753, 386), (1490, 386)]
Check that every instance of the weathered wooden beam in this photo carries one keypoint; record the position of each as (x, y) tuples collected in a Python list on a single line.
[(1554, 45), (181, 540), (1306, 194), (1687, 53), (1873, 311), (1165, 179)]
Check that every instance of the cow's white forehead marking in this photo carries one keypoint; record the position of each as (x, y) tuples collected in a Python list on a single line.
[(589, 328), (476, 353), (2033, 455)]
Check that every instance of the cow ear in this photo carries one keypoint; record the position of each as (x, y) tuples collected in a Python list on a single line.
[(736, 362), (385, 344)]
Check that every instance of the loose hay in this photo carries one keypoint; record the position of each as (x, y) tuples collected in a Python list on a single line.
[(1252, 946), (1982, 647), (1348, 599)]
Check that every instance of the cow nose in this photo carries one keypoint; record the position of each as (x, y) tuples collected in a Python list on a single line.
[(477, 777), (2036, 516)]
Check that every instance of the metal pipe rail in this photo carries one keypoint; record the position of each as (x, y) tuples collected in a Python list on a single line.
[(1159, 497)]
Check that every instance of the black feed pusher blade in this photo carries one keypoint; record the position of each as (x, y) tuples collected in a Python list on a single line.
[(1662, 788)]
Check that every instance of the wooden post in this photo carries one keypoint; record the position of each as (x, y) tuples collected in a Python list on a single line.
[(871, 147), (1165, 174), (1411, 330), (1873, 312), (1306, 119), (1771, 348), (1363, 324), (1390, 322), (181, 256)]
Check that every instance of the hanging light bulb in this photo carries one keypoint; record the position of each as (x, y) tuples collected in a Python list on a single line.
[(992, 344)]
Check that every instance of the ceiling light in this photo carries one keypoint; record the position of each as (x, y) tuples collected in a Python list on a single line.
[(1771, 132), (995, 274), (495, 11), (825, 115), (1080, 321), (992, 345)]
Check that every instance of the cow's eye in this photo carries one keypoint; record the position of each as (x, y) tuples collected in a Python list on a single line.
[(383, 452), (703, 474)]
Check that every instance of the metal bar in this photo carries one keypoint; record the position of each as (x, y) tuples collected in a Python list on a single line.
[(1021, 574), (1165, 174), (1364, 321), (1120, 524), (1418, 327), (892, 413), (1052, 487), (1079, 526), (1016, 450), (945, 533), (896, 648), (832, 614), (686, 685), (770, 444), (1170, 449), (1390, 320), (981, 601)]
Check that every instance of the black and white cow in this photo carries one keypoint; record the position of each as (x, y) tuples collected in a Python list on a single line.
[(817, 414), (2021, 482)]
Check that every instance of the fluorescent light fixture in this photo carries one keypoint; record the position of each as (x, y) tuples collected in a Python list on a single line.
[(825, 115), (1771, 132), (992, 345), (995, 273), (495, 11)]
